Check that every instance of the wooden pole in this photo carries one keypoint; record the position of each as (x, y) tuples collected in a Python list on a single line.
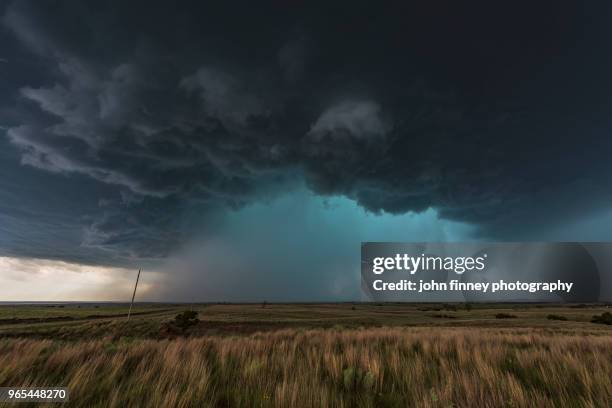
[(133, 296)]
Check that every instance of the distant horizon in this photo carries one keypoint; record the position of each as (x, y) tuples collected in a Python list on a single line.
[(518, 302)]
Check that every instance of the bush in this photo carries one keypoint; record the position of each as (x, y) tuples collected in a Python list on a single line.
[(429, 309), (186, 319), (604, 318), (181, 323), (556, 317), (354, 379), (504, 316)]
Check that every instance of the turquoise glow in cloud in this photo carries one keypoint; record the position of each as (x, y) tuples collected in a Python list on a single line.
[(299, 247)]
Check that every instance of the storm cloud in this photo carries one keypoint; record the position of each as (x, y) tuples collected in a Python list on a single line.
[(130, 128)]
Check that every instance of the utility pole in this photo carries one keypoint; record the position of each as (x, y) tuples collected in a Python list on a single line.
[(133, 296)]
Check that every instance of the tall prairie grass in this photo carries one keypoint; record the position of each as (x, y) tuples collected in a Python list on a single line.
[(433, 367)]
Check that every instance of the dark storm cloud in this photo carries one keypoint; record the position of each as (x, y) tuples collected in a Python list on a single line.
[(493, 115)]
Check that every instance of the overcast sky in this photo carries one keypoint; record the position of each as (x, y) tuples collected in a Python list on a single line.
[(242, 151)]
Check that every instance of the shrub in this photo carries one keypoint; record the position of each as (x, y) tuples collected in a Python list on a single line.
[(181, 323), (354, 379), (504, 316), (604, 318), (186, 319), (556, 317)]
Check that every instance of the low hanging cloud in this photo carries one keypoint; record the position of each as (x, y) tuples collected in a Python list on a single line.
[(170, 121), (358, 119), (254, 257), (222, 97)]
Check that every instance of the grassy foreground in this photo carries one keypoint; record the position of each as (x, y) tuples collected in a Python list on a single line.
[(556, 363)]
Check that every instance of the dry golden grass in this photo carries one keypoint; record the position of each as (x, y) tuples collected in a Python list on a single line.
[(428, 367)]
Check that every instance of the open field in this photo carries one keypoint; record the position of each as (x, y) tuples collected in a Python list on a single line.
[(312, 355)]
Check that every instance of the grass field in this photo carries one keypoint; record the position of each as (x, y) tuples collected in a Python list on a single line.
[(312, 355)]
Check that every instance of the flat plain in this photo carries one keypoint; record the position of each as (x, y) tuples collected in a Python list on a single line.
[(281, 355)]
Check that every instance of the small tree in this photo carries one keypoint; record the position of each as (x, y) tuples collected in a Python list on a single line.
[(604, 318), (186, 319)]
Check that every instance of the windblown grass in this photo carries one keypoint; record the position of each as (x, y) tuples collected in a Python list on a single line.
[(429, 367)]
